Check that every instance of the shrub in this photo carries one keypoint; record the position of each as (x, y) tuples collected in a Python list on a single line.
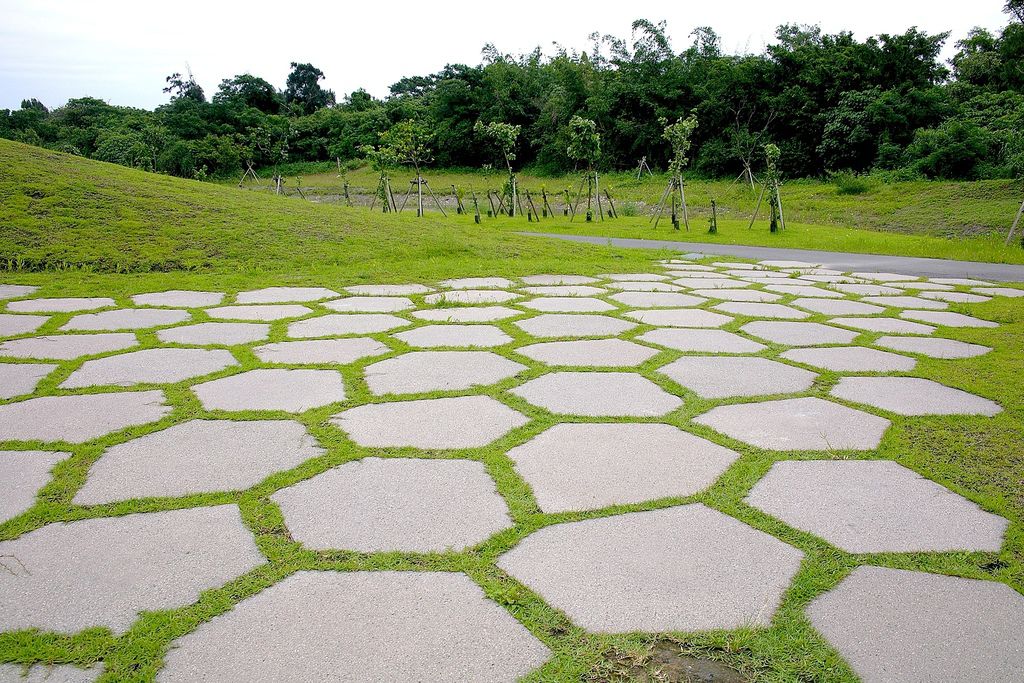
[(850, 183)]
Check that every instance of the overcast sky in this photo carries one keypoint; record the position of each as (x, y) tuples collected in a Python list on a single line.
[(120, 51)]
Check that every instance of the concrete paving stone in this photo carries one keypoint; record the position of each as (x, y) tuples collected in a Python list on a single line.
[(223, 334), (779, 263), (315, 351), (711, 283), (388, 290), (598, 394), (912, 396), (961, 281), (63, 305), (551, 280), (947, 319), (685, 568), (922, 285), (867, 290), (335, 324), (874, 506), (898, 625), (736, 294), (564, 290), (126, 319), (370, 304), (382, 626), (936, 347), (830, 279), (680, 317), (198, 456), (790, 282), (103, 572), (432, 336), (421, 371), (805, 270), (77, 419), (477, 283), (293, 391), (894, 325), (701, 341), (757, 310), (885, 277), (956, 297), (737, 265), (17, 379), (562, 304), (11, 324), (15, 291), (49, 673), (607, 353), (837, 307), (805, 291), (999, 291), (573, 326), (266, 312), (780, 277), (644, 287), (657, 299), (179, 298), (461, 422), (22, 474), (797, 424), (685, 265), (470, 314), (149, 366), (388, 504), (730, 376), (634, 277), (706, 275), (590, 466), (798, 333), (851, 359), (278, 295), (472, 296), (906, 302)]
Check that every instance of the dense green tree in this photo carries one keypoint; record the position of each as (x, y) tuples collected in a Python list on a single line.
[(250, 91), (303, 89)]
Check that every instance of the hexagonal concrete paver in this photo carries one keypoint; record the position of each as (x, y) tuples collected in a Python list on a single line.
[(705, 341), (906, 302), (657, 299), (382, 626), (694, 281), (947, 319), (472, 296), (13, 324), (315, 351), (961, 281), (883, 277), (433, 336), (736, 294), (934, 347), (49, 673), (22, 378), (634, 277), (103, 572), (999, 291), (388, 290), (564, 290), (687, 568), (370, 304), (837, 307), (544, 280), (405, 504), (797, 424), (851, 359), (921, 286), (912, 396), (179, 298), (729, 376), (563, 304), (956, 297), (22, 474), (276, 295), (874, 506), (461, 422), (77, 419), (598, 394), (469, 314), (809, 291), (336, 324), (222, 334), (421, 371), (293, 391), (898, 625), (680, 317), (198, 456), (607, 353), (866, 290), (644, 287), (574, 326), (62, 305), (756, 310), (264, 312), (589, 466), (14, 291), (126, 319), (891, 325), (477, 283), (149, 366), (798, 333), (67, 346)]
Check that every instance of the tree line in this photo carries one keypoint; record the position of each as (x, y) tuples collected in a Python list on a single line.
[(887, 105)]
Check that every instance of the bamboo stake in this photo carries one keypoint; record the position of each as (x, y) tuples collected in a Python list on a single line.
[(1016, 221), (756, 209)]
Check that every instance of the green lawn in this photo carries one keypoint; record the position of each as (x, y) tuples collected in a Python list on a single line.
[(99, 229)]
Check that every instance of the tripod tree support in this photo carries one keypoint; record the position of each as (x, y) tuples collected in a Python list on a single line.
[(772, 183), (476, 206), (250, 172), (679, 136), (410, 143), (643, 167), (504, 136), (713, 226), (382, 159), (585, 147)]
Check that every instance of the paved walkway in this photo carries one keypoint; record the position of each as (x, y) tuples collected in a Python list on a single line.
[(912, 265)]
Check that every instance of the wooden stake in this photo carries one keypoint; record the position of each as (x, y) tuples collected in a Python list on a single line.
[(682, 199), (1016, 221), (756, 209)]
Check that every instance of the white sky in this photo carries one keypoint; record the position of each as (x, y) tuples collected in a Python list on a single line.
[(120, 51)]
